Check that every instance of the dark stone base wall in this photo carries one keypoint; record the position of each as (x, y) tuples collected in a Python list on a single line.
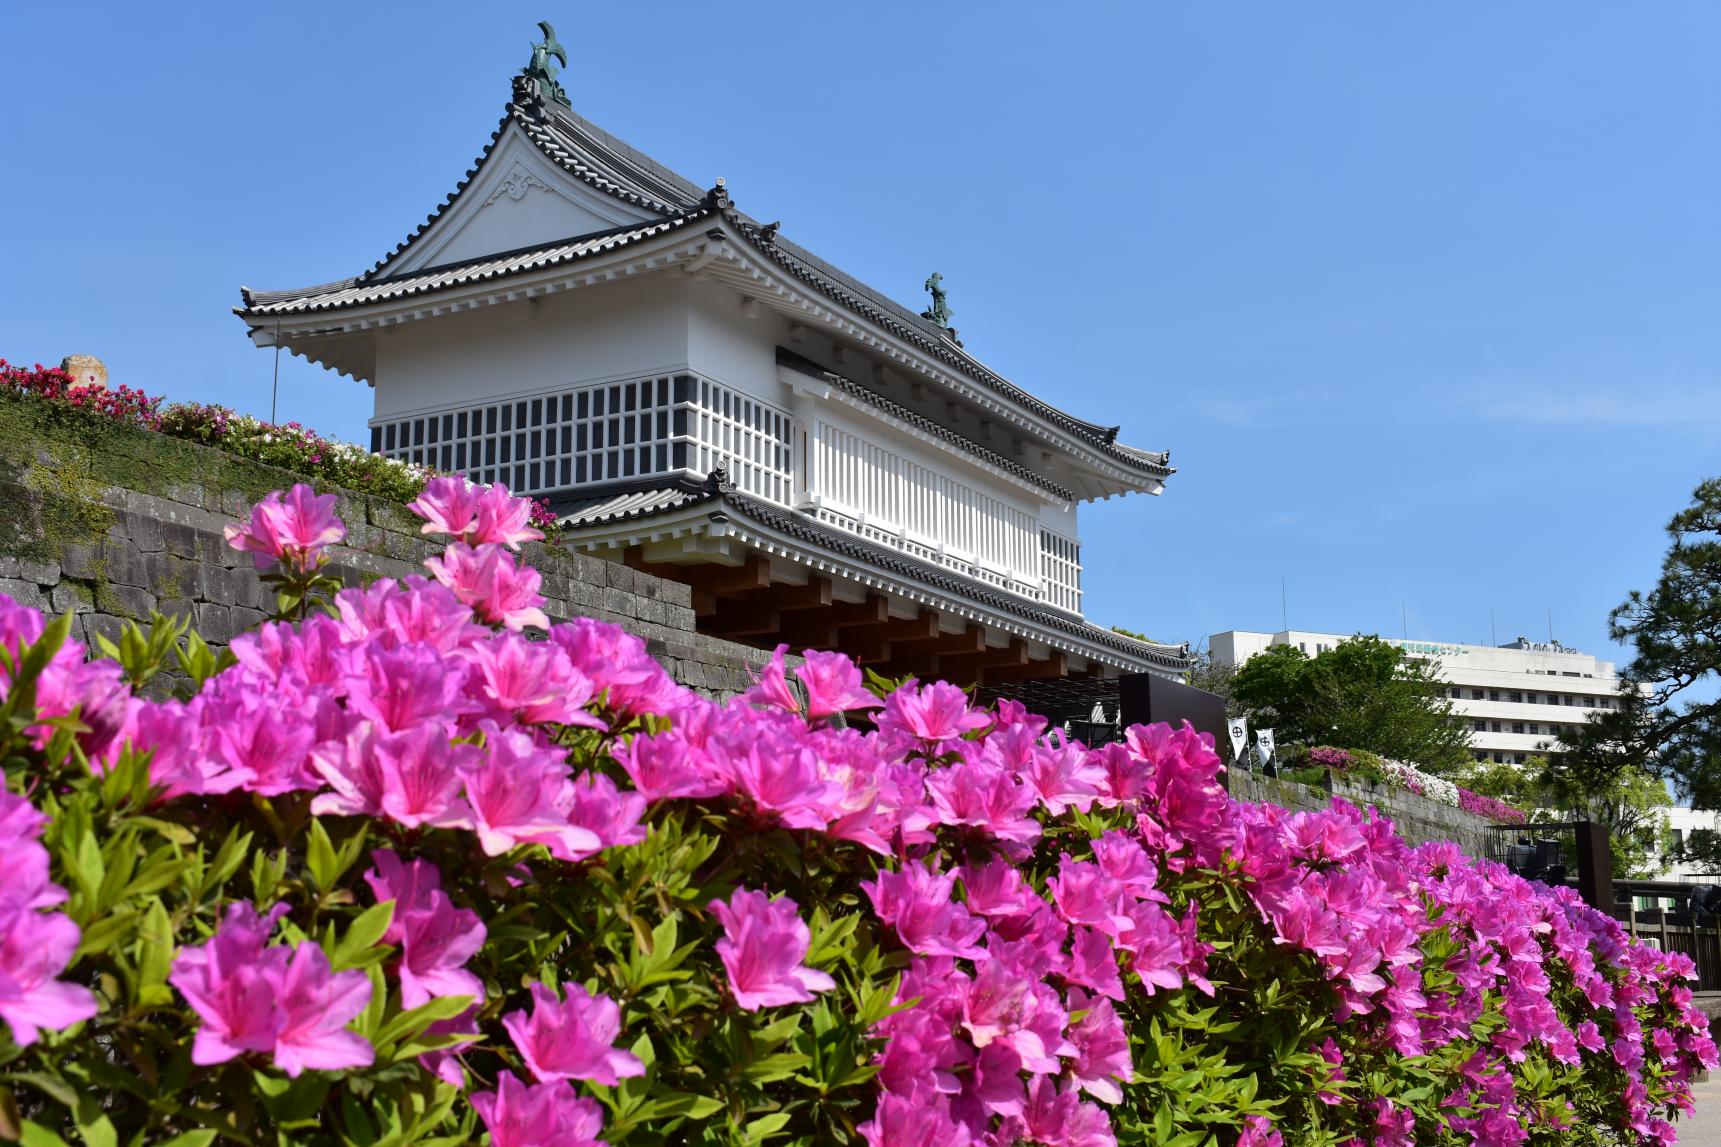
[(1418, 819), (109, 523)]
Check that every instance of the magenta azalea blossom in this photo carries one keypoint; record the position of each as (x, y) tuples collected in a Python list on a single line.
[(771, 687), (291, 530), (572, 1038), (316, 1004), (764, 942), (487, 579), (436, 938), (475, 514), (937, 712), (35, 948), (834, 685), (277, 1000), (516, 796), (549, 1114)]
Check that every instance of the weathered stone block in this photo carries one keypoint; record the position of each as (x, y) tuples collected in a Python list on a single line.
[(181, 540), (122, 564), (102, 625), (177, 607), (28, 593), (215, 622), (672, 592), (619, 576), (245, 618), (81, 559), (67, 597), (619, 602), (126, 601), (142, 528)]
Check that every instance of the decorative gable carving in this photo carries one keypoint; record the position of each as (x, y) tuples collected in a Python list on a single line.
[(519, 198)]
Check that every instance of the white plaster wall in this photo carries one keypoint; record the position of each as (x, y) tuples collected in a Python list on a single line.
[(726, 346), (624, 329), (1060, 517)]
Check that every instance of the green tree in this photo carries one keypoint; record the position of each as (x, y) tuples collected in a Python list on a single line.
[(1213, 677), (1361, 694), (1669, 719)]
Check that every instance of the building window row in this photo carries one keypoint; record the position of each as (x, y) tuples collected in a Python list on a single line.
[(1522, 697)]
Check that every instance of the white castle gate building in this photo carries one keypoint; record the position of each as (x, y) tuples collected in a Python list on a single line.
[(703, 399)]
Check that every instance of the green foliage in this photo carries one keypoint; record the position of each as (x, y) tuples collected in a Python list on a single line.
[(1669, 718), (1361, 694), (145, 879)]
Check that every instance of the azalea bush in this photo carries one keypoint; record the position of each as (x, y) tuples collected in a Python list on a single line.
[(410, 865), (290, 446), (1359, 763)]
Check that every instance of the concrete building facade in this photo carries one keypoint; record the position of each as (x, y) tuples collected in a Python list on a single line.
[(1517, 699)]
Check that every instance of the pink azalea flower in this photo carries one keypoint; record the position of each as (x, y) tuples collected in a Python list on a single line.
[(23, 858), (436, 939), (267, 749), (315, 1005), (35, 947), (421, 775), (902, 1121), (572, 1038), (1060, 1117), (253, 998), (764, 942), (918, 903), (291, 530), (592, 801), (448, 506), (1103, 1050), (177, 741), (406, 686), (623, 672), (487, 579), (232, 982), (833, 684), (771, 688), (1258, 1131), (546, 1114), (778, 773), (531, 681), (937, 712), (515, 793), (666, 766)]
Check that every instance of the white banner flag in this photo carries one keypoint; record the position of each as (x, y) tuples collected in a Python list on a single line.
[(1264, 746), (1239, 730)]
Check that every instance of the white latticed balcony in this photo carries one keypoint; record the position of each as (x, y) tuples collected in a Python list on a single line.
[(686, 426)]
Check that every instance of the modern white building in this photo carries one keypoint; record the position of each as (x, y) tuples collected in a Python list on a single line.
[(704, 399), (1517, 699)]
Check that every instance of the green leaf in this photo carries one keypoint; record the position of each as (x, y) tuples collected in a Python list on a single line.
[(190, 1139), (769, 1068), (103, 934), (155, 955), (320, 857), (52, 1086), (362, 934), (413, 1022), (35, 1135)]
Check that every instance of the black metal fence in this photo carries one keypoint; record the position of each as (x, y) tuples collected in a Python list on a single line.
[(1685, 918)]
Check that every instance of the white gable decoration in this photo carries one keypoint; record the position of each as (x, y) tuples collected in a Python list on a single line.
[(518, 199)]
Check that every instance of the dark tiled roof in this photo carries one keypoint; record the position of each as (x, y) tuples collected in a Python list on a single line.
[(635, 504), (806, 366), (591, 154), (357, 292)]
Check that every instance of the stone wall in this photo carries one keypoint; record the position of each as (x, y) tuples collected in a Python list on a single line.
[(1418, 819), (108, 523)]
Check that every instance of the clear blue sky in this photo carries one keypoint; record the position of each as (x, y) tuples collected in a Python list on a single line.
[(1426, 300)]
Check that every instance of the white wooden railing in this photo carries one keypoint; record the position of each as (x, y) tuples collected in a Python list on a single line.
[(602, 433)]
